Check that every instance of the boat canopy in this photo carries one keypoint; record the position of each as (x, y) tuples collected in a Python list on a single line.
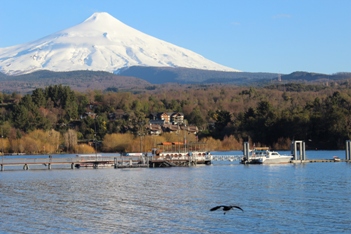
[(261, 148)]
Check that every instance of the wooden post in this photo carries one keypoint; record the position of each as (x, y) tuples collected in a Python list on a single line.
[(348, 149), (50, 161), (115, 162)]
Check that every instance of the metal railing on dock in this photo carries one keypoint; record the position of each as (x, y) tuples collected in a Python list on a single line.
[(37, 162), (227, 157)]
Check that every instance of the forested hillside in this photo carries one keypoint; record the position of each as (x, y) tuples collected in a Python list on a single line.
[(55, 118), (76, 80)]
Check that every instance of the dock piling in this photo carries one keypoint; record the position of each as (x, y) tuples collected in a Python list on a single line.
[(298, 150), (348, 149), (115, 162), (246, 151)]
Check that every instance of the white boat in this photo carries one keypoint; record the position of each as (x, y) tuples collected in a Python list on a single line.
[(201, 157), (93, 160), (179, 151), (262, 155), (336, 159)]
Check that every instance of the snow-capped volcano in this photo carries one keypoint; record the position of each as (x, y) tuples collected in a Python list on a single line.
[(100, 43)]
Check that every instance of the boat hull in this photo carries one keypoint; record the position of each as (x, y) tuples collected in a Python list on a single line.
[(268, 161), (176, 158), (262, 155), (280, 160)]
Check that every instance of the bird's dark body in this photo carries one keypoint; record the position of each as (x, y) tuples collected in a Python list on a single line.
[(226, 208)]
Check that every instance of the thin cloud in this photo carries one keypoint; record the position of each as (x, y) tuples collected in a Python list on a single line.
[(281, 16), (235, 23)]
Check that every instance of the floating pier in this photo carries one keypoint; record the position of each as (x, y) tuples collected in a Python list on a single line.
[(161, 162), (298, 152), (37, 163), (99, 161)]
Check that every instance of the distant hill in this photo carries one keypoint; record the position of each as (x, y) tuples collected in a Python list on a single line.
[(313, 77), (77, 80), (161, 75), (140, 78), (2, 76)]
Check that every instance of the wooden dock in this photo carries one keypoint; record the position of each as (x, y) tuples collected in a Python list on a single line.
[(58, 162), (98, 161), (317, 161), (176, 162)]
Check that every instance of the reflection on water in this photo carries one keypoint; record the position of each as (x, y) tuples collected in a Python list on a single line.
[(312, 198)]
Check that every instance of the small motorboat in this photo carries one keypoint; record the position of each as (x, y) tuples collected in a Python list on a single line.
[(336, 159), (262, 155)]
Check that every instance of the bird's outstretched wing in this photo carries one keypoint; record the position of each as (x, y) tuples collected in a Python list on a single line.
[(238, 207), (226, 208), (216, 208)]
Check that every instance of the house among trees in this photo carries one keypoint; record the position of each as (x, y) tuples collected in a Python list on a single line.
[(192, 129), (159, 118), (170, 128), (88, 114), (155, 129), (177, 118), (169, 122), (167, 118)]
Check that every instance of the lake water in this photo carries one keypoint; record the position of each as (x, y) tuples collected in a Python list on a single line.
[(300, 198)]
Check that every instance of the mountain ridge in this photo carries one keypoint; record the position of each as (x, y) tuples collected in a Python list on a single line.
[(99, 43), (138, 79), (78, 80)]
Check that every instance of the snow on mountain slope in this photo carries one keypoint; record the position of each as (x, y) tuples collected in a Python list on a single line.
[(100, 43)]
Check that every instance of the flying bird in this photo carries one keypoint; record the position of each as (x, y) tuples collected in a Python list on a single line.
[(226, 208)]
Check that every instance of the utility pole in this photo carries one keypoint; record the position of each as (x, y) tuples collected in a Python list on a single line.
[(2, 147), (140, 136), (94, 139), (185, 132)]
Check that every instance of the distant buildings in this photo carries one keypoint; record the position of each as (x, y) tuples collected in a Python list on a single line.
[(158, 122), (169, 122)]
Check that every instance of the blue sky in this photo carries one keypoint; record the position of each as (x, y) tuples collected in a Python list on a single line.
[(250, 35)]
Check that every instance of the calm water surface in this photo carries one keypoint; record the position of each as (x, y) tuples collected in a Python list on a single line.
[(308, 198)]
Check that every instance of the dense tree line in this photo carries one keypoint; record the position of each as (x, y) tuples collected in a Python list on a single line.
[(269, 116)]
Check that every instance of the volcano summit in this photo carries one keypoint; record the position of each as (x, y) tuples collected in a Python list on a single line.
[(100, 43)]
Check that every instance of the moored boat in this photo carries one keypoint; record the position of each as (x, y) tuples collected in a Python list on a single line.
[(336, 159), (262, 155), (178, 153), (93, 160)]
